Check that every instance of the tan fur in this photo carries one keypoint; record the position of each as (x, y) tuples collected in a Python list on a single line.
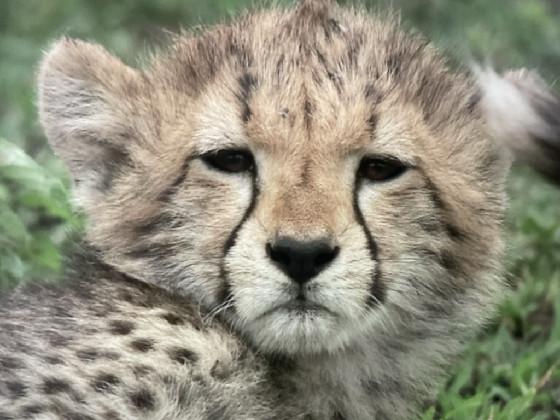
[(309, 91)]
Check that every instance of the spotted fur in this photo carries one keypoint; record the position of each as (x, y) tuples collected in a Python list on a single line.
[(174, 310)]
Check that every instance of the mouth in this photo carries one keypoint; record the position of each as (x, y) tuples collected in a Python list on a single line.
[(299, 306)]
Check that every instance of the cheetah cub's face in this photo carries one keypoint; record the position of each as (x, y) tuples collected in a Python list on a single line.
[(313, 175)]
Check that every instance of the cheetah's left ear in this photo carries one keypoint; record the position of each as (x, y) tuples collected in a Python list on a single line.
[(86, 99), (523, 114)]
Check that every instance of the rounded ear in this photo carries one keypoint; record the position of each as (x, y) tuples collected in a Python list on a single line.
[(85, 98), (523, 114)]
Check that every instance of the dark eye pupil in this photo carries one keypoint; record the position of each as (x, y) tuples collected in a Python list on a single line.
[(234, 161), (379, 169)]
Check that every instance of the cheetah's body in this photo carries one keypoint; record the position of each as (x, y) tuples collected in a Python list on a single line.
[(110, 347)]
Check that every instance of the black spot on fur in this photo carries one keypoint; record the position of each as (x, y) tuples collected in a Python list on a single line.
[(183, 356), (439, 204), (147, 250), (372, 94), (105, 382), (53, 360), (55, 386), (115, 161), (236, 49), (473, 101), (166, 195), (444, 258), (429, 224), (247, 83), (372, 122), (87, 355), (218, 412), (327, 29), (142, 345), (355, 45), (10, 363), (32, 409), (111, 415), (338, 416), (11, 328), (110, 355), (331, 26), (121, 327), (454, 232), (159, 222), (57, 340), (77, 416), (394, 63), (383, 386), (435, 196), (220, 371), (326, 68), (16, 389), (61, 312), (143, 399), (173, 319), (448, 261), (142, 370)]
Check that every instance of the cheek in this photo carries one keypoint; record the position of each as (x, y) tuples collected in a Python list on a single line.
[(401, 220), (213, 205), (210, 209), (411, 238)]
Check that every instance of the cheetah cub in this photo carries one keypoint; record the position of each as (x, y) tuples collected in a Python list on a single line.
[(296, 215)]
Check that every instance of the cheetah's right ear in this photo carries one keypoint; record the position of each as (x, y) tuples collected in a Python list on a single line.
[(85, 96)]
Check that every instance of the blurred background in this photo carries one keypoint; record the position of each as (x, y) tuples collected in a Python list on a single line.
[(511, 372)]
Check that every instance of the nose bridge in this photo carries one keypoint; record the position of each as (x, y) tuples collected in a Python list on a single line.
[(304, 212), (308, 204)]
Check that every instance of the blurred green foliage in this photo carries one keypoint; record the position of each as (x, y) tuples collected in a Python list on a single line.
[(511, 372)]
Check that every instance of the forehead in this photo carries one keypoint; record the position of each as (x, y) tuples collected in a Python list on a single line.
[(321, 78)]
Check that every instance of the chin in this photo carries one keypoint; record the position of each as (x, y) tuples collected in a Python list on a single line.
[(294, 331)]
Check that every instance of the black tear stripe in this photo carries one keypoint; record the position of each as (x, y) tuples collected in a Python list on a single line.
[(377, 288), (225, 293)]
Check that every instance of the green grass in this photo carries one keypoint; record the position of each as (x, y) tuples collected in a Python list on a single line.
[(512, 371)]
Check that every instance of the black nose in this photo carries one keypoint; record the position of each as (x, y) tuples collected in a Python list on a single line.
[(301, 260)]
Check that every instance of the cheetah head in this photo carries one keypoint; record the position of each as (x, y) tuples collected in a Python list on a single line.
[(313, 175)]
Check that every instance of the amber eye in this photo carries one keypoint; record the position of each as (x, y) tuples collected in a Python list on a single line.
[(379, 169), (230, 160)]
